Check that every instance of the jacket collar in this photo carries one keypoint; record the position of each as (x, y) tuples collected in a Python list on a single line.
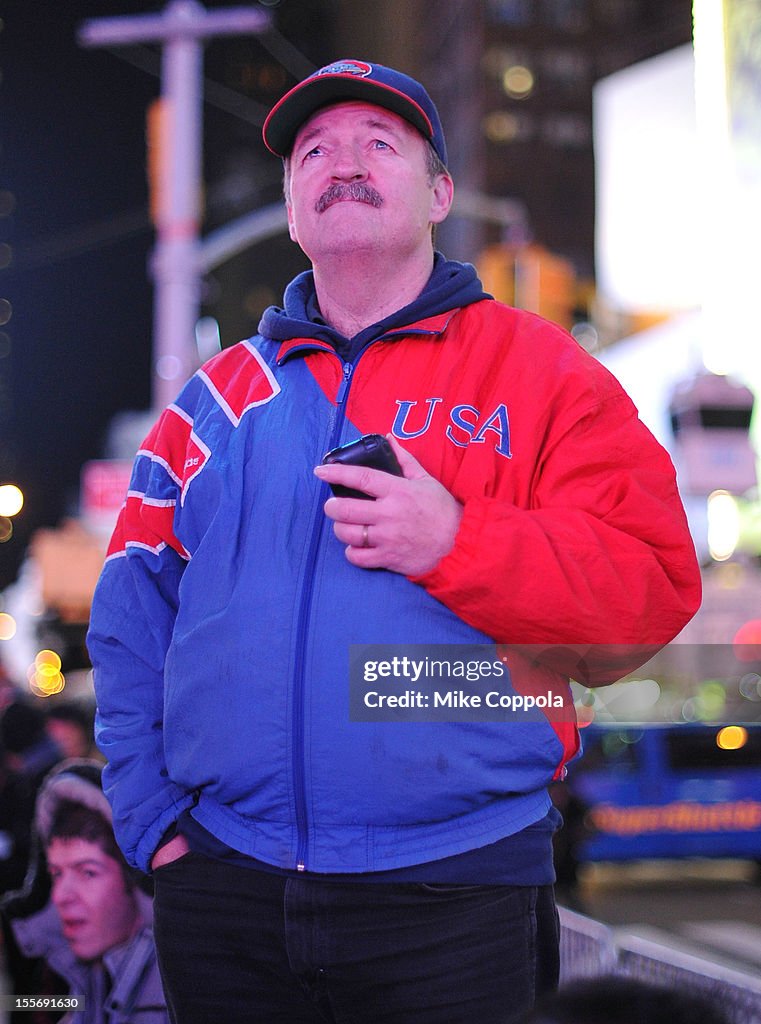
[(429, 327)]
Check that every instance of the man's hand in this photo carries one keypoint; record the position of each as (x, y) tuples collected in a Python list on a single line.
[(173, 850), (410, 526)]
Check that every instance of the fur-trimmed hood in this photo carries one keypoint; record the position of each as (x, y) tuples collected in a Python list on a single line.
[(77, 780)]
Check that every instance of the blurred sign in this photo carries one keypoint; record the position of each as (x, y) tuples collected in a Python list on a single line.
[(650, 240), (69, 560), (711, 418), (103, 489)]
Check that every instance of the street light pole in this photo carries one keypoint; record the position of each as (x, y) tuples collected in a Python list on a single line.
[(176, 266)]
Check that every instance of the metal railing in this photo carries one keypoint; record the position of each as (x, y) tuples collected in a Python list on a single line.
[(589, 948)]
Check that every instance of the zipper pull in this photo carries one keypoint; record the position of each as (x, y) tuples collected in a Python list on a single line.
[(343, 387)]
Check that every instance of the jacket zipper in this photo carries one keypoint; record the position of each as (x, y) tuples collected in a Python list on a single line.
[(305, 606)]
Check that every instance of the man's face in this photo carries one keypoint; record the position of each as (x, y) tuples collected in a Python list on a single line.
[(97, 910), (359, 185)]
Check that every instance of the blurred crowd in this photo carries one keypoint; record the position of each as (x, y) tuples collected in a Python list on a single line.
[(34, 737)]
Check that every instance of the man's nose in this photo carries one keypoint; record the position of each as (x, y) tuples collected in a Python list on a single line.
[(348, 164)]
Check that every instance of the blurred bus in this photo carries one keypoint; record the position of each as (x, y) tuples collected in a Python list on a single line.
[(662, 791)]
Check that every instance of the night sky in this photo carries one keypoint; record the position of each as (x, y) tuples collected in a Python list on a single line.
[(72, 140)]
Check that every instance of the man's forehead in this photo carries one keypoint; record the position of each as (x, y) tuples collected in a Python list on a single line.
[(369, 114), (74, 848)]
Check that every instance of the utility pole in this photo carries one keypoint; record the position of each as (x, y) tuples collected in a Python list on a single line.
[(176, 265)]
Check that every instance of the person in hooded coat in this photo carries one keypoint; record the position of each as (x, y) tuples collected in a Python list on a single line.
[(82, 909)]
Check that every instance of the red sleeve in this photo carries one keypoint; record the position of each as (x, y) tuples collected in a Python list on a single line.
[(601, 564)]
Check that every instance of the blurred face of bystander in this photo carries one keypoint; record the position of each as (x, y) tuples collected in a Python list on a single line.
[(97, 909), (70, 738)]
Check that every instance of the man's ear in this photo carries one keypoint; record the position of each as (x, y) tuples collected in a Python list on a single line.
[(291, 225), (441, 198)]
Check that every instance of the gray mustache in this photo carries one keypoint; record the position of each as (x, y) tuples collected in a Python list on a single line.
[(356, 190)]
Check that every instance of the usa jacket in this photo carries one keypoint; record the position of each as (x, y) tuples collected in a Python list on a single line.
[(222, 623)]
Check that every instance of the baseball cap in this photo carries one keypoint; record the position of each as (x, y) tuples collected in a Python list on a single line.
[(349, 79)]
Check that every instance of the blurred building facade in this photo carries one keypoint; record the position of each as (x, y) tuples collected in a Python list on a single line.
[(513, 80)]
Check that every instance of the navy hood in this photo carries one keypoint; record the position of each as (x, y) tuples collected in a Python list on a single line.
[(450, 286)]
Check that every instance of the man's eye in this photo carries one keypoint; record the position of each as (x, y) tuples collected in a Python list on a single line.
[(316, 151), (380, 144)]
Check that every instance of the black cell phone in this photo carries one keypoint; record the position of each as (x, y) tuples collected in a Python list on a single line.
[(371, 450)]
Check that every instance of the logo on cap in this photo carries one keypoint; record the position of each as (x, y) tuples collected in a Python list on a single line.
[(347, 67)]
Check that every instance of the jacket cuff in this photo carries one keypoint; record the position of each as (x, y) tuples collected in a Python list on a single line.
[(460, 562), (159, 833)]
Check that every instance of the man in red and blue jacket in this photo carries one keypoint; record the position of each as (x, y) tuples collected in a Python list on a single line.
[(310, 864)]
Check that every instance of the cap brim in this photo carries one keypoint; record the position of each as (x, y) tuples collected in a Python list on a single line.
[(297, 106)]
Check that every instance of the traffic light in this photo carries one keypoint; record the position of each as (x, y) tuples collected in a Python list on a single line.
[(157, 140), (496, 268), (530, 277)]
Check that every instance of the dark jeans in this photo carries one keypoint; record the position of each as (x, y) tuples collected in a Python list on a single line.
[(241, 946)]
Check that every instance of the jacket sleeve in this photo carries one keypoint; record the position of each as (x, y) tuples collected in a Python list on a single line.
[(599, 570), (132, 619)]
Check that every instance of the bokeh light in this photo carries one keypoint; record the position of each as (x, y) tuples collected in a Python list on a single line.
[(723, 525), (518, 82), (7, 626), (45, 676), (731, 737), (11, 500), (747, 641)]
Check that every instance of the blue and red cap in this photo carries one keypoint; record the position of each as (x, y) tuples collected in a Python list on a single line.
[(346, 80)]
